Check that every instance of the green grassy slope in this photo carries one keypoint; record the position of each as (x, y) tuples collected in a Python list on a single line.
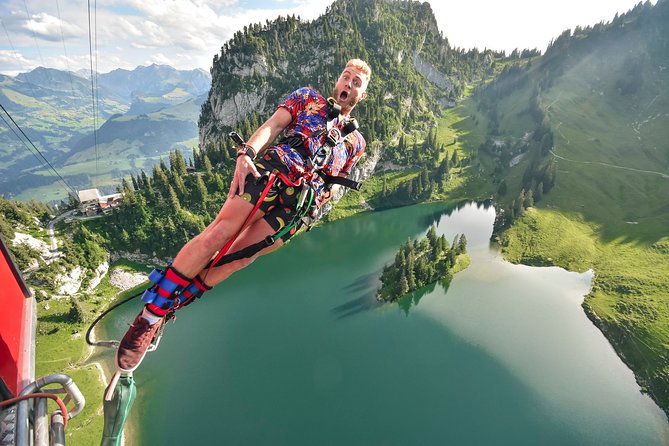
[(612, 148), (608, 110)]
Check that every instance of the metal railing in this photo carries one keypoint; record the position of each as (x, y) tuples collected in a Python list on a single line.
[(33, 426)]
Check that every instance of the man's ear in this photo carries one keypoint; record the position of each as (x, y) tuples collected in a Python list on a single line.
[(363, 95)]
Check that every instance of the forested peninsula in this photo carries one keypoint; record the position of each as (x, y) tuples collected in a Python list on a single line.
[(421, 262)]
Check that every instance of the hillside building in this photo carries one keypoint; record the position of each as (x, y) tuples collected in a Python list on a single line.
[(92, 203)]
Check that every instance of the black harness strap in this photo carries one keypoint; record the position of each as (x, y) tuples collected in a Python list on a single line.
[(329, 179), (244, 253)]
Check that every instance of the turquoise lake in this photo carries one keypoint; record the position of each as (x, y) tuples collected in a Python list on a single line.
[(295, 350)]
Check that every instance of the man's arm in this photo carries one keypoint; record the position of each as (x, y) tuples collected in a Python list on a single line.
[(268, 132), (259, 141)]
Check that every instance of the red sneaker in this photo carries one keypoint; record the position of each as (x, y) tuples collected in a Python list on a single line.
[(135, 343)]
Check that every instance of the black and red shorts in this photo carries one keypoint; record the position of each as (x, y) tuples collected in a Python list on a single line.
[(281, 201)]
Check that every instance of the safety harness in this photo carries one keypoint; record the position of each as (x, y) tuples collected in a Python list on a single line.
[(335, 132), (172, 290)]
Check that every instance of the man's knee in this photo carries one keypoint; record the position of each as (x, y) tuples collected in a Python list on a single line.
[(216, 234)]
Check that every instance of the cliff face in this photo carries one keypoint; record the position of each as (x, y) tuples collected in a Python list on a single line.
[(230, 111)]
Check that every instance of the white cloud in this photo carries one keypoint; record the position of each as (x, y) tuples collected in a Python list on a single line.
[(134, 32), (160, 59), (52, 28), (124, 27), (14, 62)]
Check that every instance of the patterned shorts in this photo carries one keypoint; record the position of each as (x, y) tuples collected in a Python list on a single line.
[(281, 201)]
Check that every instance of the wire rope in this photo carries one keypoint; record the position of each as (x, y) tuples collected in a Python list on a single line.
[(95, 120), (62, 38), (45, 160), (29, 17)]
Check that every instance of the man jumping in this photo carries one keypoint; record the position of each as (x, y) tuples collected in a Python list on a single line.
[(267, 193)]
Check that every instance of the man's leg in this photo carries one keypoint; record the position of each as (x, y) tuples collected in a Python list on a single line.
[(280, 206), (196, 254), (198, 251), (179, 276), (255, 233)]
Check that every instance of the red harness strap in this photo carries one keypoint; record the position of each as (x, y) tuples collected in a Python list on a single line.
[(226, 247), (288, 182)]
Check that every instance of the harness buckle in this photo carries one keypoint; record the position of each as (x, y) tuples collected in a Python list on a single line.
[(334, 110)]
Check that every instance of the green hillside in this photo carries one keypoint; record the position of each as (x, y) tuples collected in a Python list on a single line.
[(595, 110)]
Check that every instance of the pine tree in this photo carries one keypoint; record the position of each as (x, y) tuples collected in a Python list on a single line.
[(409, 271), (179, 186), (462, 244), (127, 191), (400, 259), (418, 187), (432, 235), (442, 171), (425, 181), (160, 180), (403, 285), (200, 194), (197, 158), (178, 164), (146, 182), (72, 201), (206, 163), (124, 238), (529, 199), (452, 254), (421, 272), (540, 191), (173, 200), (520, 203), (409, 189)]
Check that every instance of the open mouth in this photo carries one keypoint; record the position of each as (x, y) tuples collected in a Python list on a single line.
[(343, 96)]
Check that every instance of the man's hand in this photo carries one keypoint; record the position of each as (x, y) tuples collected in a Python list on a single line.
[(243, 168), (259, 141)]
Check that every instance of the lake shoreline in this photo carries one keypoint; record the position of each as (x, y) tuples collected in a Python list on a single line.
[(544, 237)]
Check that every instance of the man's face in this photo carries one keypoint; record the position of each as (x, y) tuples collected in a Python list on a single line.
[(350, 88)]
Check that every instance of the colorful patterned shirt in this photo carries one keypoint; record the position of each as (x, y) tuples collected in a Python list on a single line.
[(310, 115)]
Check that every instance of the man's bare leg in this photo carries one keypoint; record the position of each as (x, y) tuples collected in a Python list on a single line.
[(255, 233), (195, 254), (191, 259)]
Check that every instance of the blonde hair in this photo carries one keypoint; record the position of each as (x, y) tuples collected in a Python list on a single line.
[(362, 66)]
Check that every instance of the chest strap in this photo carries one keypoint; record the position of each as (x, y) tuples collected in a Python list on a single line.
[(330, 179)]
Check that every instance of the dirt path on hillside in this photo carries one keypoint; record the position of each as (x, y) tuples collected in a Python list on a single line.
[(663, 175)]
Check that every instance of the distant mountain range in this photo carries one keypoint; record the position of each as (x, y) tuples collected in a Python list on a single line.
[(142, 114)]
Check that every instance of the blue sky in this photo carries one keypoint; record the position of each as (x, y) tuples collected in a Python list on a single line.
[(187, 33)]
